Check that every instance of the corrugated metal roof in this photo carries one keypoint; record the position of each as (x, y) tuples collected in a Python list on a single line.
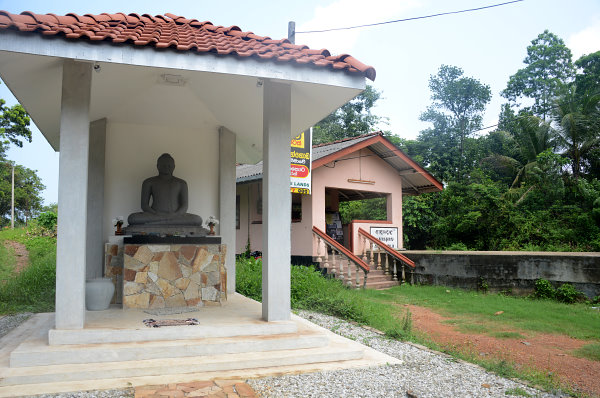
[(416, 179)]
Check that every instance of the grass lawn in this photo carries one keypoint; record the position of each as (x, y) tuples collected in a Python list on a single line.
[(33, 288), (474, 312)]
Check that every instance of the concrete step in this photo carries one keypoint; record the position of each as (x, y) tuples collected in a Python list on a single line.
[(35, 352), (382, 285), (141, 333), (333, 352)]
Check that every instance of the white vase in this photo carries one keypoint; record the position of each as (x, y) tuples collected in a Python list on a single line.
[(98, 293)]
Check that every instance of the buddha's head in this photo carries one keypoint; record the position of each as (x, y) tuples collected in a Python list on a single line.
[(165, 164)]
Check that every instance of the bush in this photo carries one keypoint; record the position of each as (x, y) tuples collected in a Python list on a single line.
[(311, 291), (567, 293), (48, 220), (544, 289)]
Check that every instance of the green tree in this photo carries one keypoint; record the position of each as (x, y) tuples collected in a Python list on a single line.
[(531, 136), (549, 68), (456, 112), (28, 189), (351, 120), (577, 117), (588, 80)]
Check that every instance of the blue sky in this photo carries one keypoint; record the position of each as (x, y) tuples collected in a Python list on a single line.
[(489, 45)]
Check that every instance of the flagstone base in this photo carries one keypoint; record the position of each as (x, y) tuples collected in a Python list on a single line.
[(174, 275)]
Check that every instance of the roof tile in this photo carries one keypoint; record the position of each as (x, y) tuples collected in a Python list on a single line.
[(179, 33)]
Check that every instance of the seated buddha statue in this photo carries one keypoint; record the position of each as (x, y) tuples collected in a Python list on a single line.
[(164, 199)]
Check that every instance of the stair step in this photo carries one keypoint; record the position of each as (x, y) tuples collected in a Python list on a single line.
[(37, 353), (335, 351)]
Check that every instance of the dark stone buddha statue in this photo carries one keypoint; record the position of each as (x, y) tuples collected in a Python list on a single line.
[(164, 199)]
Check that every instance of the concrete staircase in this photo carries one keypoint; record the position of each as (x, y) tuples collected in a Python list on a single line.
[(376, 279), (121, 356)]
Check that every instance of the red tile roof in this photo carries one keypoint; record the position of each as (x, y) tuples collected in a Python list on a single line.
[(178, 33)]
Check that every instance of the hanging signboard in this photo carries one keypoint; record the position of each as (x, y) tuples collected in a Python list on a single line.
[(388, 235), (301, 155)]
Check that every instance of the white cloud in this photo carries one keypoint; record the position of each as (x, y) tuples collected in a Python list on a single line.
[(344, 13), (585, 41)]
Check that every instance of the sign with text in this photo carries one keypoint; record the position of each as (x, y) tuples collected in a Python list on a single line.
[(388, 235), (300, 158)]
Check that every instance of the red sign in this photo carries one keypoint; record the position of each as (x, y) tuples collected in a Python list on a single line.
[(299, 171)]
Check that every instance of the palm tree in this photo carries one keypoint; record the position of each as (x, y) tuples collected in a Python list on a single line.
[(577, 118), (532, 136)]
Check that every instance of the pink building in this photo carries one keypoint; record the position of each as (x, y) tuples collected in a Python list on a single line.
[(364, 167)]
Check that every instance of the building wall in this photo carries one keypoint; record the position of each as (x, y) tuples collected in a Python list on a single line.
[(368, 167), (131, 154), (250, 222)]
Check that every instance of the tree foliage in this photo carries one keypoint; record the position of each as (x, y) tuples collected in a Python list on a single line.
[(455, 113), (549, 68), (351, 120), (532, 184)]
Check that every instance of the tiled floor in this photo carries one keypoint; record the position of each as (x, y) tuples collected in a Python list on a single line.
[(214, 388)]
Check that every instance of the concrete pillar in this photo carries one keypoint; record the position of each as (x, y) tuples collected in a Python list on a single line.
[(227, 194), (95, 202), (276, 201), (72, 195)]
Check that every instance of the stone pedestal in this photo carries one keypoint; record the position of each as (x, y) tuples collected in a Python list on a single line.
[(113, 266), (173, 272)]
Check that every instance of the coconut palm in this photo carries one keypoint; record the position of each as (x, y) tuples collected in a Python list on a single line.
[(532, 136), (577, 119)]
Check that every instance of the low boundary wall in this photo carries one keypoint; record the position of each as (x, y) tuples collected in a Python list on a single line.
[(513, 271)]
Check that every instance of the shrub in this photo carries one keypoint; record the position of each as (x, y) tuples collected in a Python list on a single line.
[(48, 220), (33, 288), (544, 289), (567, 293)]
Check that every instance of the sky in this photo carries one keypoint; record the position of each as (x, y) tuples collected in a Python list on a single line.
[(489, 45)]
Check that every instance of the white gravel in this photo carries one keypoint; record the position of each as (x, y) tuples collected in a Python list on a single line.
[(9, 322), (422, 374)]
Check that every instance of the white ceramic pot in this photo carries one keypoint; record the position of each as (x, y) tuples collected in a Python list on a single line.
[(98, 293)]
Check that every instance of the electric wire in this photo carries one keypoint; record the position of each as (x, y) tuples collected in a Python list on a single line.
[(412, 18)]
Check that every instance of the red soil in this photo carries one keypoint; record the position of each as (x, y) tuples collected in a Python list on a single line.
[(544, 352)]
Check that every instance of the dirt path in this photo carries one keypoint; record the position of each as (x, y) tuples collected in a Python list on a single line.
[(544, 352), (21, 254)]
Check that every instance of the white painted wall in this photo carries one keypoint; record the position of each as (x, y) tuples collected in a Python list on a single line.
[(131, 153)]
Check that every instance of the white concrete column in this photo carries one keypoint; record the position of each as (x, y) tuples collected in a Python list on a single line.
[(276, 201), (95, 202), (227, 194), (72, 195)]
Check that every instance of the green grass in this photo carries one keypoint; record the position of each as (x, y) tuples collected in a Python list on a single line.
[(517, 391), (309, 290), (589, 351), (7, 263), (384, 310), (33, 288), (574, 320), (508, 335)]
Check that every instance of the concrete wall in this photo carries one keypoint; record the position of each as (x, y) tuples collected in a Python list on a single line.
[(367, 167), (250, 222), (516, 271), (131, 153), (360, 165)]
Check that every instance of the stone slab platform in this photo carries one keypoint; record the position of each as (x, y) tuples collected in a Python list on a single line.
[(339, 353)]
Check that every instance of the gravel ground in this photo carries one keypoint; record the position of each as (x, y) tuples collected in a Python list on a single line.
[(422, 374), (9, 322)]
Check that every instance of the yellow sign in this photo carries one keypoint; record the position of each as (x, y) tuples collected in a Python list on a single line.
[(300, 156), (298, 142)]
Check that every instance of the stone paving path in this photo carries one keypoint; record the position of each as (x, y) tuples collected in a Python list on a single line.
[(214, 389)]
